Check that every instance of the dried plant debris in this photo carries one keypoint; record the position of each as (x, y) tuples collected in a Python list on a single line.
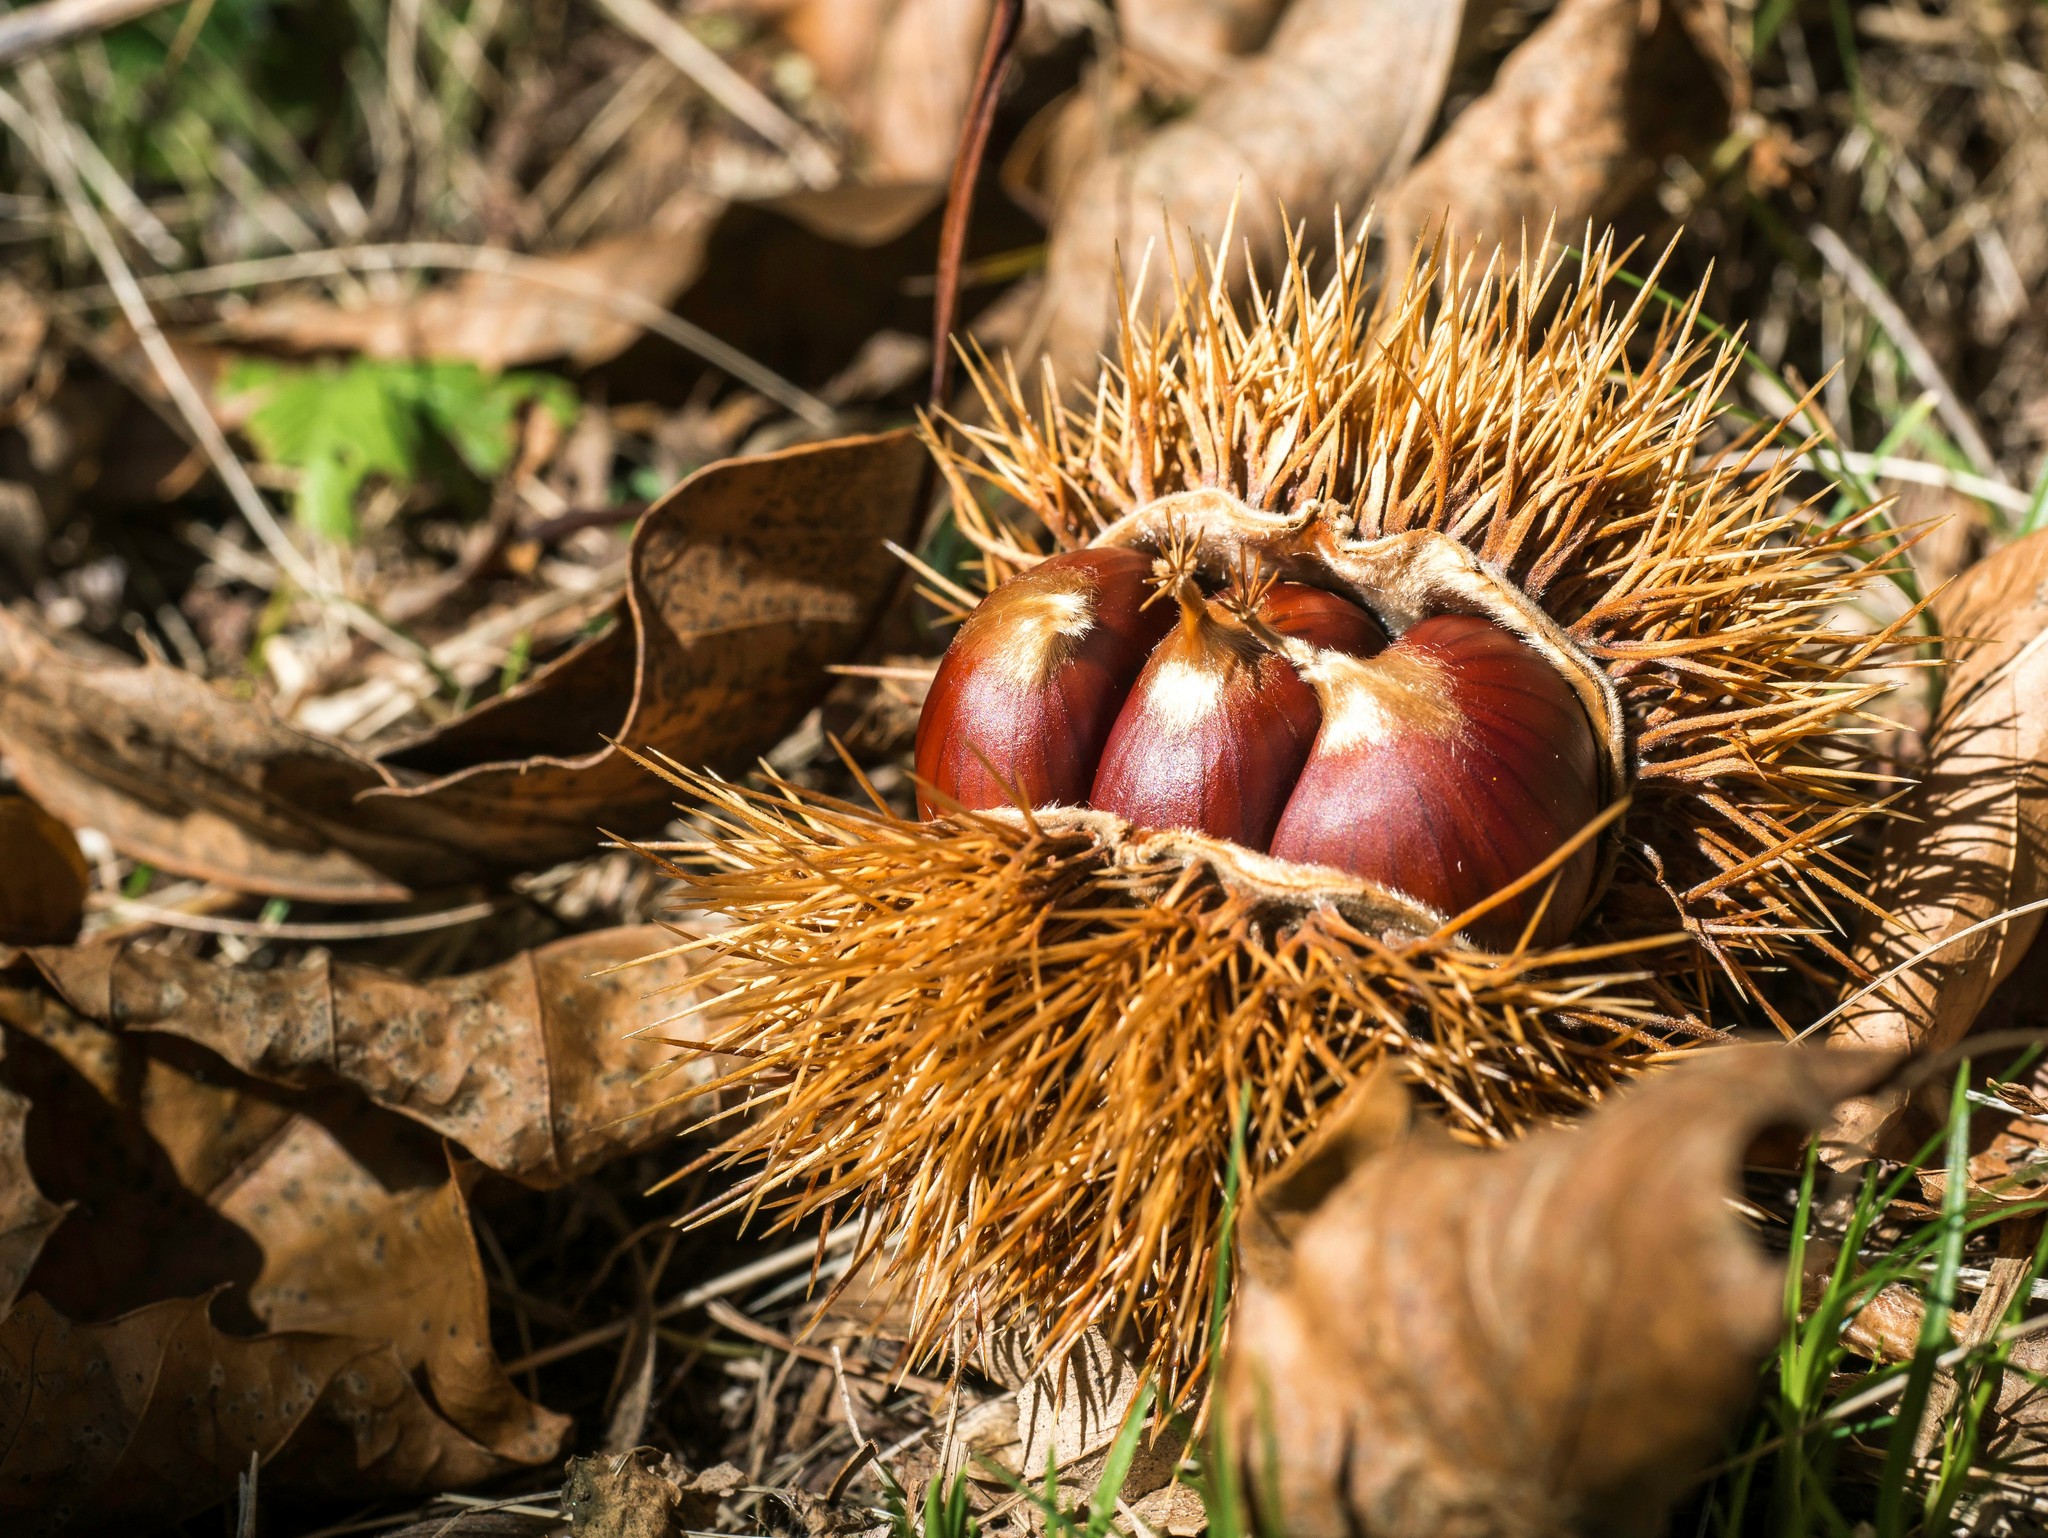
[(1579, 121), (643, 1494), (1970, 843), (1540, 1340), (303, 1266), (43, 877), (533, 1066), (1314, 121), (27, 1217), (586, 305), (744, 584)]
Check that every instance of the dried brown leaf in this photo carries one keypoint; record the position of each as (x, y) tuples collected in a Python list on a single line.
[(1538, 1340), (27, 1217), (123, 1426), (1194, 40), (344, 1255), (1971, 841), (1337, 103), (501, 319), (190, 780), (526, 1064), (899, 72), (43, 876), (1575, 124), (1068, 1413), (298, 1269), (2016, 1427), (744, 583)]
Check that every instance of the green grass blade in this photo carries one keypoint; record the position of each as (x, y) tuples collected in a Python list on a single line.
[(1117, 1466), (1895, 1483), (2037, 504)]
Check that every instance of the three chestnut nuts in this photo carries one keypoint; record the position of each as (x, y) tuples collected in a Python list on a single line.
[(1439, 764)]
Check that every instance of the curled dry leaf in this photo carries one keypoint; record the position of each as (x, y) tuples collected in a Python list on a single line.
[(247, 1271), (1337, 102), (901, 73), (1536, 1340), (43, 876), (1971, 841), (1194, 40), (528, 1064), (562, 305), (1576, 123), (181, 776), (743, 584)]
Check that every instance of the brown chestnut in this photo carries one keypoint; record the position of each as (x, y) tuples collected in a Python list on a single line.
[(1024, 698), (1322, 619), (1213, 733), (1450, 764)]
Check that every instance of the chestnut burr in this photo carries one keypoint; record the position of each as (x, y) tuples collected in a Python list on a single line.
[(1447, 766), (1024, 698), (1212, 735)]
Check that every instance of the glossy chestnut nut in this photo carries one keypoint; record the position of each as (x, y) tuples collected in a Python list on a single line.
[(1213, 734), (1024, 698), (1447, 766), (1322, 618)]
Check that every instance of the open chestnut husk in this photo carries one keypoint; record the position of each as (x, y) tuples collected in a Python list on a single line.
[(1492, 730)]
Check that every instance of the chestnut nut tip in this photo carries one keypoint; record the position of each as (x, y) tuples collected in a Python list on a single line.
[(1212, 736)]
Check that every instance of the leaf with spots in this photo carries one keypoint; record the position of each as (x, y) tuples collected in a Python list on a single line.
[(237, 1268), (743, 585)]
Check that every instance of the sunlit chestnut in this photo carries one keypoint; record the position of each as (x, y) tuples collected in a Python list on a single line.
[(1213, 733), (1447, 766), (1024, 698), (1321, 618)]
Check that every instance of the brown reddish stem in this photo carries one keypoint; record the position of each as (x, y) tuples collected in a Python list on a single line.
[(1003, 23), (974, 133)]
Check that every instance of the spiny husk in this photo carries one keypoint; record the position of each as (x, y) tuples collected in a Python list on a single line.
[(1019, 1049)]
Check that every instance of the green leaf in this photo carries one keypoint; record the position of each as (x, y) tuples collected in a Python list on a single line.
[(474, 410), (339, 424), (1117, 1466)]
